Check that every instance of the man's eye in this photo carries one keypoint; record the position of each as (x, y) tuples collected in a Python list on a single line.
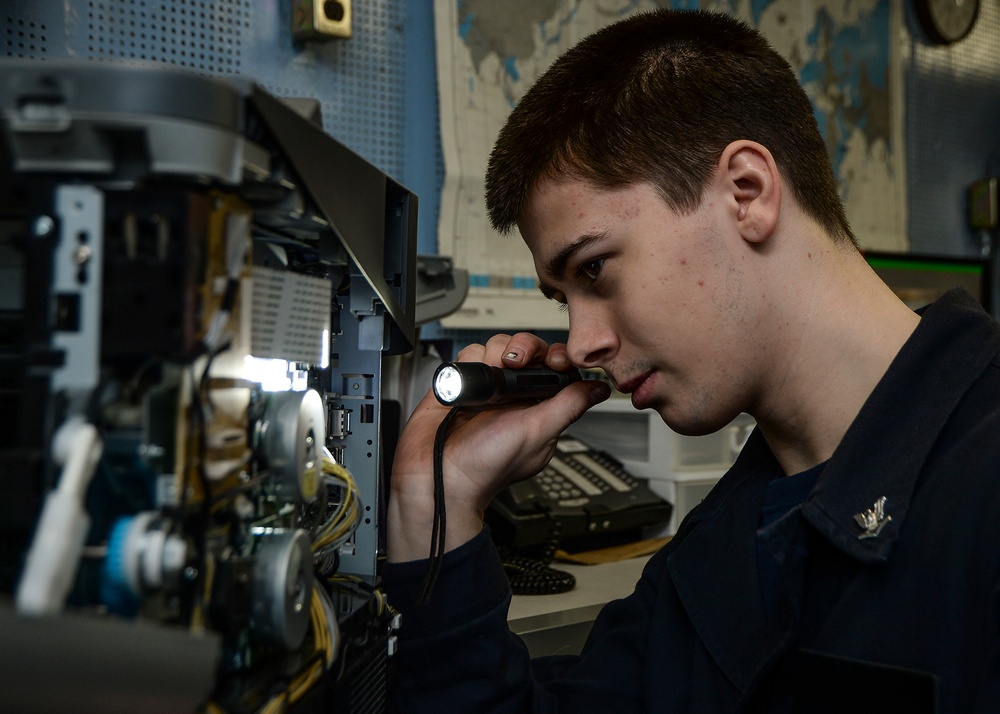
[(592, 268)]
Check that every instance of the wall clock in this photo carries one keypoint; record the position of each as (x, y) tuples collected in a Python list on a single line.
[(946, 21)]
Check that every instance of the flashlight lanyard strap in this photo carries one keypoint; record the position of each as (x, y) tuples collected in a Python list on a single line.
[(439, 526)]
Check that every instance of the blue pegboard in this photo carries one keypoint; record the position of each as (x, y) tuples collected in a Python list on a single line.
[(377, 90), (358, 81)]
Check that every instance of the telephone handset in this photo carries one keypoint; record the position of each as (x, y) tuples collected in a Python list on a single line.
[(581, 494)]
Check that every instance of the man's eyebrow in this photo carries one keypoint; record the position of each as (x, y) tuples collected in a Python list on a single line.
[(556, 267)]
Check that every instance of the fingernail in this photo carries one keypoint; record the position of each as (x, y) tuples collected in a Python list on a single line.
[(599, 393), (558, 358), (513, 356)]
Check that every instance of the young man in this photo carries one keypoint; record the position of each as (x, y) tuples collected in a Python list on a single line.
[(669, 178)]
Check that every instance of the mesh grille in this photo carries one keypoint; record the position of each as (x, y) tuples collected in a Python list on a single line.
[(289, 311)]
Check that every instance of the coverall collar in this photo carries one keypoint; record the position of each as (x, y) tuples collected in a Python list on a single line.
[(879, 456)]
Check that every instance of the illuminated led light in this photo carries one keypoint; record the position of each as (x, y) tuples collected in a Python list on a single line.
[(448, 384)]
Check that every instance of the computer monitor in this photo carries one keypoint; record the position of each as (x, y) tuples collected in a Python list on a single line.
[(919, 279)]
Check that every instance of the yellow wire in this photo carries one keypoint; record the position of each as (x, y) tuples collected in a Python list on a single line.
[(349, 512), (322, 634), (276, 705), (321, 626), (323, 641)]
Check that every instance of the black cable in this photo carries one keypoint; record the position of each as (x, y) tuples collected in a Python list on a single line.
[(439, 526), (198, 426), (532, 574)]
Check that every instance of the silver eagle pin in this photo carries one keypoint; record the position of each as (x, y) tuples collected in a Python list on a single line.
[(873, 520)]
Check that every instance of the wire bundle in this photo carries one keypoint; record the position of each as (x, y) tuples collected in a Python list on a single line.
[(344, 520), (326, 641)]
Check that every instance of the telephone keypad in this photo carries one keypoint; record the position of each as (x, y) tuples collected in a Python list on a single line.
[(585, 491), (579, 475)]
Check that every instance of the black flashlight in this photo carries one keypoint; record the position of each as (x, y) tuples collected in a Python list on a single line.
[(477, 384)]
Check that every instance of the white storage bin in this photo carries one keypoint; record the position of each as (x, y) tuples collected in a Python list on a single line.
[(712, 451), (649, 448), (681, 469), (685, 491)]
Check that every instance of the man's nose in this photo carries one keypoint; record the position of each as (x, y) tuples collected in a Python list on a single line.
[(592, 340)]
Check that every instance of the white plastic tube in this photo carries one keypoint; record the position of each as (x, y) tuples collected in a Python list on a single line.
[(54, 556)]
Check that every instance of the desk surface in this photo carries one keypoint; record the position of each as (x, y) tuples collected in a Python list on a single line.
[(571, 614)]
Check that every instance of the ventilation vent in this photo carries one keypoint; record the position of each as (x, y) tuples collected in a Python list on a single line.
[(289, 311)]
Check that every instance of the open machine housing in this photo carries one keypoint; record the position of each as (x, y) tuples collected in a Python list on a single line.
[(199, 286)]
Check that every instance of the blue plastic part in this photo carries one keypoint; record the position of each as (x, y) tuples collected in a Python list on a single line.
[(116, 591)]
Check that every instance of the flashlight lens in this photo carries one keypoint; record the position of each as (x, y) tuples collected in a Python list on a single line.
[(448, 384)]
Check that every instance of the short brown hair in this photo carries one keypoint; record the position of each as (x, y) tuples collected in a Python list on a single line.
[(656, 98)]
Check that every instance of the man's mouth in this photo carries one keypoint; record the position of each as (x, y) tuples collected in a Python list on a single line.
[(630, 385)]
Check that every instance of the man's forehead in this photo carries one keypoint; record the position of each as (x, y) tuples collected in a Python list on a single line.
[(558, 210), (554, 202)]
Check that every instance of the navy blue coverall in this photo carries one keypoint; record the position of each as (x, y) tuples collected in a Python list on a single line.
[(891, 615)]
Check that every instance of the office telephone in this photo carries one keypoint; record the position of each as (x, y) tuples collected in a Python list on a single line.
[(583, 496)]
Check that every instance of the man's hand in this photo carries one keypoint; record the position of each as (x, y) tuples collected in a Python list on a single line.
[(485, 450)]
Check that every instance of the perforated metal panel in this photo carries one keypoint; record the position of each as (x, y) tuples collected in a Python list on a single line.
[(952, 130), (25, 37), (205, 36), (358, 81)]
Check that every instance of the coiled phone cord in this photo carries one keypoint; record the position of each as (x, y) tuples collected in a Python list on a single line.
[(531, 574)]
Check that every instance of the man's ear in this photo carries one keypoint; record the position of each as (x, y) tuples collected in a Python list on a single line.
[(750, 176)]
